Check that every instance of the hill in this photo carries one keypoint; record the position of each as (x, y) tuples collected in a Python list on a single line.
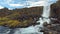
[(20, 17)]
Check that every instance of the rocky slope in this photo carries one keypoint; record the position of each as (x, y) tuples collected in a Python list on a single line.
[(20, 17)]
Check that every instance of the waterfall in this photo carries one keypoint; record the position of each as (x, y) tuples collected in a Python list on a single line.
[(45, 18), (45, 15), (46, 11)]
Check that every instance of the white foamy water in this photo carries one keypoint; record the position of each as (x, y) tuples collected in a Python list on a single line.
[(46, 11), (45, 15)]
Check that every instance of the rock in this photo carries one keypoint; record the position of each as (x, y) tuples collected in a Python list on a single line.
[(55, 10), (20, 17)]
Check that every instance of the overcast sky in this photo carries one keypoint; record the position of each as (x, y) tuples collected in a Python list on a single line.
[(11, 4)]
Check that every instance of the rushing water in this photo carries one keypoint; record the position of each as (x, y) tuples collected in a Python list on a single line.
[(45, 15)]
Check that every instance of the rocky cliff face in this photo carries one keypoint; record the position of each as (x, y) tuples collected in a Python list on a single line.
[(55, 9), (20, 17), (54, 26)]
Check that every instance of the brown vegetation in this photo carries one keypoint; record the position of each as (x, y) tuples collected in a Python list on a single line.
[(20, 17)]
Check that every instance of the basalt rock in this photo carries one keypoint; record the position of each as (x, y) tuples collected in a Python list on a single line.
[(54, 26), (55, 10), (20, 17)]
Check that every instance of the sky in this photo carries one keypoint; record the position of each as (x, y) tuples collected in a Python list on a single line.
[(12, 4)]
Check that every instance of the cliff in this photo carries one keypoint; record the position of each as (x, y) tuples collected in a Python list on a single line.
[(20, 17), (54, 26), (55, 9)]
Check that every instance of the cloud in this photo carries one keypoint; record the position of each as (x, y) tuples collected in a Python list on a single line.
[(34, 4), (5, 1), (40, 3), (15, 5), (24, 3), (1, 7)]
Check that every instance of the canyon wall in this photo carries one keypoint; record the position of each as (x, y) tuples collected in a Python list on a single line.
[(20, 17), (55, 10)]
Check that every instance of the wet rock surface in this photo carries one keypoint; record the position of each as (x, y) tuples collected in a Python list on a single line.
[(54, 26)]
